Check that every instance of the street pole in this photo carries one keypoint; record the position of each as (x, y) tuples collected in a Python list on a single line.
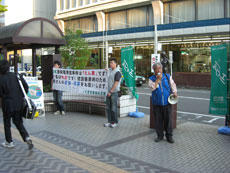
[(155, 39), (107, 53)]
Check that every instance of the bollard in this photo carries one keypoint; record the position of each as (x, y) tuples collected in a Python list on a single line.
[(174, 115)]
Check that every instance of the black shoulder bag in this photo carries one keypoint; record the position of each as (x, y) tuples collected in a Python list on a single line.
[(29, 108)]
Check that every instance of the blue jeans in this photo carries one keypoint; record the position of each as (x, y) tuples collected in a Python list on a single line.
[(111, 108), (58, 100)]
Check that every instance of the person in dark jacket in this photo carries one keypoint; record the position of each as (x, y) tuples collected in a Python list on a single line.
[(57, 94), (161, 85), (12, 104)]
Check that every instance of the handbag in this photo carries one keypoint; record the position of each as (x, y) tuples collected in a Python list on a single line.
[(29, 108)]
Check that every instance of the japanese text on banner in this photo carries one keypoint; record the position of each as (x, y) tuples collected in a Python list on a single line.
[(90, 82)]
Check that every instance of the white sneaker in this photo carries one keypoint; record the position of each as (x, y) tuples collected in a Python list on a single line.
[(63, 112), (113, 125), (57, 113), (107, 124), (8, 145)]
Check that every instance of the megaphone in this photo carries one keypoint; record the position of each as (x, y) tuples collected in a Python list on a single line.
[(172, 99)]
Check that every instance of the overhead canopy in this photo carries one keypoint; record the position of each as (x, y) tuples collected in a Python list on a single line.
[(33, 33)]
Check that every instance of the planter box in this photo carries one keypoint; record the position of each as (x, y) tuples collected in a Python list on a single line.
[(127, 104)]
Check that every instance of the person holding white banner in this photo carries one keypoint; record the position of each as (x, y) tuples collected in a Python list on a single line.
[(114, 76), (58, 95)]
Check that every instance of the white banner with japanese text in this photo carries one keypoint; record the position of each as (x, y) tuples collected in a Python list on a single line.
[(89, 82)]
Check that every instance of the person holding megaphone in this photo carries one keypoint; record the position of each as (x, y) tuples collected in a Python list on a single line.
[(164, 90)]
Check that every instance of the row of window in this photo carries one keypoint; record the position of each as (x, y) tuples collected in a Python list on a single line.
[(68, 4), (177, 11), (182, 11), (131, 18)]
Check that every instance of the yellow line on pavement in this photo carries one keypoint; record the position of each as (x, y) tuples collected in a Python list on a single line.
[(76, 159)]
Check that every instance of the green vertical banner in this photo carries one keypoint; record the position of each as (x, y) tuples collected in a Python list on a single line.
[(228, 97), (219, 84), (128, 69)]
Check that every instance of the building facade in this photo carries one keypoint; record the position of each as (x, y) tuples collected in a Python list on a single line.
[(18, 11), (187, 27), (26, 9)]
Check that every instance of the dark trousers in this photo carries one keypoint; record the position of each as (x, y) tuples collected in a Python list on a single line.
[(111, 108), (17, 120), (163, 120), (58, 100)]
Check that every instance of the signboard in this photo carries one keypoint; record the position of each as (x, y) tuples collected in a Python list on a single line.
[(170, 57), (89, 82), (218, 97), (128, 69), (35, 92), (154, 59)]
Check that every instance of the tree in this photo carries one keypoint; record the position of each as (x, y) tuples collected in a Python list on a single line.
[(3, 8), (75, 54)]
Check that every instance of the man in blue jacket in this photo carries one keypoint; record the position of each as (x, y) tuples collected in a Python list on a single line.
[(162, 85)]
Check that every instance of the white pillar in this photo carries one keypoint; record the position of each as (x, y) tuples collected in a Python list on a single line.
[(64, 4), (107, 53), (70, 4), (61, 25), (101, 27), (158, 19), (158, 11), (101, 20), (58, 5)]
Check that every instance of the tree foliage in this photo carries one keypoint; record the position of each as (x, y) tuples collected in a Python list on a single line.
[(76, 52), (3, 8)]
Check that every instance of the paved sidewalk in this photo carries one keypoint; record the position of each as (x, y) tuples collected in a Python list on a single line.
[(78, 142)]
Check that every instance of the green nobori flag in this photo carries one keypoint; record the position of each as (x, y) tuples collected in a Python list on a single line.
[(219, 86), (128, 69)]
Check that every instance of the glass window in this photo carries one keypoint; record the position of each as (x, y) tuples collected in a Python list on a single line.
[(72, 24), (150, 16), (117, 20), (227, 7), (61, 5), (194, 60), (210, 9), (166, 13), (94, 1), (183, 11), (67, 4), (32, 29), (87, 2), (80, 3), (88, 24), (74, 3), (137, 17)]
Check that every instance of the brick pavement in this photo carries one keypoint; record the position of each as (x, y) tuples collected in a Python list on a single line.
[(129, 147)]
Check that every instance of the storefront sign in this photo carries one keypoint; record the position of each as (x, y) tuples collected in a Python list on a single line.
[(154, 59), (90, 82), (128, 69), (218, 97), (35, 91)]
